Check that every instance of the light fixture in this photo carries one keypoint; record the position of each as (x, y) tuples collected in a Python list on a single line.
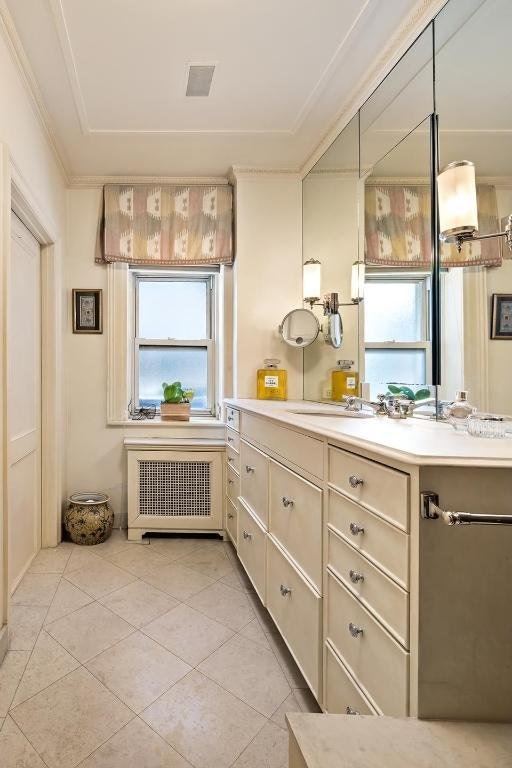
[(311, 280), (357, 282), (458, 212)]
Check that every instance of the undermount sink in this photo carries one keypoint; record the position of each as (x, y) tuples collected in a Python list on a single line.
[(338, 412)]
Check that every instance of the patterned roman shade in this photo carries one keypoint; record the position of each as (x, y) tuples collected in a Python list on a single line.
[(167, 224), (397, 229)]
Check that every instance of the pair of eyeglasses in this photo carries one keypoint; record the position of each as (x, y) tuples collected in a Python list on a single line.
[(138, 414)]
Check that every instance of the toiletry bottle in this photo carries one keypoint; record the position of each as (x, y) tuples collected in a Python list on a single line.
[(272, 381), (459, 410), (344, 381)]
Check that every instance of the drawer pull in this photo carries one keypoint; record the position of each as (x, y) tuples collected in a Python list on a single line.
[(247, 535), (285, 590), (354, 630), (249, 469), (231, 419), (354, 481), (230, 515), (231, 439), (356, 529), (230, 459), (230, 481), (350, 711), (355, 576), (287, 502)]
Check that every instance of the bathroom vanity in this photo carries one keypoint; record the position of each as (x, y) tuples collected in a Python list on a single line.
[(385, 612)]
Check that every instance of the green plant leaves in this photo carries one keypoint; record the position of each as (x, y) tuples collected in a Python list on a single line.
[(407, 392)]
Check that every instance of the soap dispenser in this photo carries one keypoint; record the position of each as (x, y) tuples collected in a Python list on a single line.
[(272, 381), (344, 381)]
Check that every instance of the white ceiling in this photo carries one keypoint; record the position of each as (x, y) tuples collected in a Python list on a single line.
[(112, 75)]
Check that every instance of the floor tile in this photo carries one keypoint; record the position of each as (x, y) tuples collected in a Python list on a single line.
[(188, 633), (177, 581), (100, 577), (225, 604), (238, 579), (203, 722), (174, 547), (138, 560), (70, 719), (15, 750), (36, 589), (307, 701), (89, 631), (52, 560), (117, 542), (25, 623), (80, 556), (287, 662), (250, 672), (11, 671), (49, 662), (268, 750), (290, 704), (137, 670), (67, 599), (139, 603), (253, 631), (135, 746), (210, 561)]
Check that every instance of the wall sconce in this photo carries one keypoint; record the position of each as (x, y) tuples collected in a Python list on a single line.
[(312, 279), (458, 212), (357, 282)]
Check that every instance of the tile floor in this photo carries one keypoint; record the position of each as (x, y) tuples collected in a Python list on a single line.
[(153, 655)]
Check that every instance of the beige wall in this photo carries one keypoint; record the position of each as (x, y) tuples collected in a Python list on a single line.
[(268, 276)]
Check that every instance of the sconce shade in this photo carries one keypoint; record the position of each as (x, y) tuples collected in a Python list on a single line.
[(311, 280), (458, 213), (357, 282)]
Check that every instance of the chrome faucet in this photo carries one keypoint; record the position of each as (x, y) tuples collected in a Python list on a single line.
[(354, 403), (387, 405)]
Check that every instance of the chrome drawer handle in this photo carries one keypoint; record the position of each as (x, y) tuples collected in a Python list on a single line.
[(249, 469), (231, 482), (287, 502), (230, 459), (350, 711), (354, 481), (247, 535), (230, 515), (355, 576), (231, 439), (285, 590), (231, 418), (354, 630), (356, 529)]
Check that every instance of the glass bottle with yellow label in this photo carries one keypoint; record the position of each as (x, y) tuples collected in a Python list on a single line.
[(344, 381), (272, 381)]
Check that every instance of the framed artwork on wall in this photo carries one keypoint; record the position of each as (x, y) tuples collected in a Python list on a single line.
[(501, 316), (87, 310)]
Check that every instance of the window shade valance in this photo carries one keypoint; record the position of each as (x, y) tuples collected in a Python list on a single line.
[(397, 229), (167, 224)]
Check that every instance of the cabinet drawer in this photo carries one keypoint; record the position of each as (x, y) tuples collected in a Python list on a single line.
[(304, 451), (379, 541), (383, 490), (374, 658), (342, 695), (252, 543), (232, 485), (230, 523), (233, 459), (233, 418), (254, 480), (297, 613), (381, 595), (233, 440), (295, 519)]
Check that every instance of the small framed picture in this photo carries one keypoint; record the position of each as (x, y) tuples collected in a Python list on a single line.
[(501, 316), (87, 310)]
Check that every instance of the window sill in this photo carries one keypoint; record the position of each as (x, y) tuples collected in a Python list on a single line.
[(203, 422)]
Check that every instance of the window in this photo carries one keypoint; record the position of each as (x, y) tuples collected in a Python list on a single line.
[(397, 328), (174, 328)]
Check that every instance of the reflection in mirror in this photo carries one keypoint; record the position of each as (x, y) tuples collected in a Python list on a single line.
[(299, 328), (330, 235), (474, 102)]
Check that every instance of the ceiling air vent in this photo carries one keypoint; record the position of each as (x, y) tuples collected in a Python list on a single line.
[(200, 79)]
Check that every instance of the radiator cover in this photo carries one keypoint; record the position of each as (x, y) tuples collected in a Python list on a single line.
[(175, 488)]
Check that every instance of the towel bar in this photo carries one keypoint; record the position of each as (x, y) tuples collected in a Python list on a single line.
[(430, 510)]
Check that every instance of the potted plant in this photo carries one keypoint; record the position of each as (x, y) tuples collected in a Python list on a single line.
[(176, 403)]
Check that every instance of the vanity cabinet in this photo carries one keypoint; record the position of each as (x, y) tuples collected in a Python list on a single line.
[(232, 480)]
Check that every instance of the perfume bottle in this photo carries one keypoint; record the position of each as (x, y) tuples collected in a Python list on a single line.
[(344, 381), (272, 381), (459, 411)]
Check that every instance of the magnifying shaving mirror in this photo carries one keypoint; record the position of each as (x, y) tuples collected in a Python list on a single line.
[(333, 330), (299, 328)]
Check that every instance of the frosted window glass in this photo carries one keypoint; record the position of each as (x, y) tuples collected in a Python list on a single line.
[(173, 309), (402, 366), (185, 364), (393, 311)]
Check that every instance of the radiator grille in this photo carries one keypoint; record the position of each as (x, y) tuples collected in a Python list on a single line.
[(174, 488)]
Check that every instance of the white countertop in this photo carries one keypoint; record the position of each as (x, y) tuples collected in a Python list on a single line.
[(341, 741), (413, 440)]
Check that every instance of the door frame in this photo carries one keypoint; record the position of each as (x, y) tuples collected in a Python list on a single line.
[(16, 194)]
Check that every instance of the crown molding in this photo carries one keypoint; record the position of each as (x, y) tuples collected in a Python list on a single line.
[(98, 182), (412, 26), (238, 172), (29, 81)]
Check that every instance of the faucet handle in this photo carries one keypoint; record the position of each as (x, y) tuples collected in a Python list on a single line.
[(351, 402)]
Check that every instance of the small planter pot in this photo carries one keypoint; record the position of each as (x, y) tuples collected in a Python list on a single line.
[(175, 411), (88, 518)]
